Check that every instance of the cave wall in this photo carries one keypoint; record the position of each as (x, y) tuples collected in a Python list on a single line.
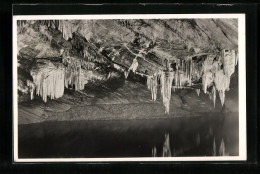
[(54, 55)]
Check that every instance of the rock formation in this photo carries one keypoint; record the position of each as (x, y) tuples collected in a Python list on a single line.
[(170, 53), (48, 79), (166, 88)]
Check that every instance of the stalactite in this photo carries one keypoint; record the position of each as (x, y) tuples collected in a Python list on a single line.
[(190, 71), (152, 83), (177, 78), (229, 62), (31, 86), (166, 79), (66, 29), (236, 60), (206, 81), (74, 72), (212, 71), (207, 77), (222, 84), (49, 81), (222, 97)]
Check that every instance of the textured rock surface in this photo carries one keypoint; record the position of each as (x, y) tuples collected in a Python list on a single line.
[(61, 59)]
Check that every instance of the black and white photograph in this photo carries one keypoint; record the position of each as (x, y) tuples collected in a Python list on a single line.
[(129, 87)]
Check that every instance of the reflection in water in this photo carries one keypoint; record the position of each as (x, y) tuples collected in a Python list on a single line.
[(166, 146), (198, 140), (166, 152), (214, 148), (222, 149), (206, 135), (154, 152)]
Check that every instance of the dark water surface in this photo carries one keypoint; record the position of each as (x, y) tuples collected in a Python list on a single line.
[(193, 136)]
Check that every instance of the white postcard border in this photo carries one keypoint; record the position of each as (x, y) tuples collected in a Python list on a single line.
[(242, 86)]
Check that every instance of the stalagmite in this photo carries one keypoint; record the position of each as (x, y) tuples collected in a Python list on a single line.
[(166, 79)]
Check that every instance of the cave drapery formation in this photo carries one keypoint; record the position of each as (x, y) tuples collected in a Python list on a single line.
[(171, 54)]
